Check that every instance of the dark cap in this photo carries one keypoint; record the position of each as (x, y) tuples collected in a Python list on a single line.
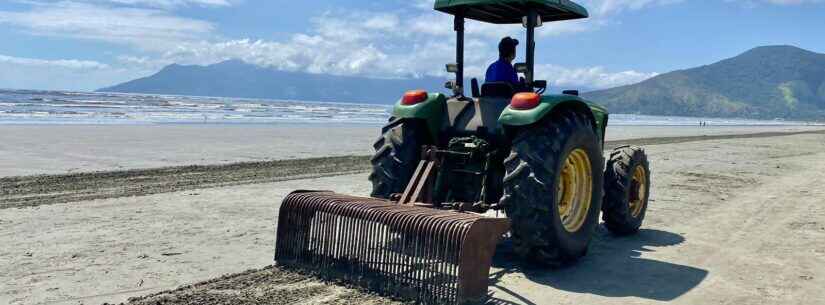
[(507, 46)]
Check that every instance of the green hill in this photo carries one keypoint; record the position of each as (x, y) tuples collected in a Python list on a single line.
[(765, 82)]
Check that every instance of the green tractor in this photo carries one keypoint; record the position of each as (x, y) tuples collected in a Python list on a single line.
[(537, 157), (443, 163)]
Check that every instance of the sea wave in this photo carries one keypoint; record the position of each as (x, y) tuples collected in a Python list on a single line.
[(59, 107)]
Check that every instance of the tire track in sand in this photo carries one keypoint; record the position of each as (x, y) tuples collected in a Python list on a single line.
[(29, 191)]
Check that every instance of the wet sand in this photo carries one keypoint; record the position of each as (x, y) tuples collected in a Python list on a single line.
[(61, 149), (733, 220)]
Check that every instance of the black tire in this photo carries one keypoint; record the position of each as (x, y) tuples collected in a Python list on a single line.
[(533, 171), (620, 186), (397, 152)]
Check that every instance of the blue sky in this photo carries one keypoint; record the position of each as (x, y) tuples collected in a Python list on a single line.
[(88, 44)]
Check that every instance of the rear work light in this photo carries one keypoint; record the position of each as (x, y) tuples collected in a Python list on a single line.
[(525, 100), (414, 97)]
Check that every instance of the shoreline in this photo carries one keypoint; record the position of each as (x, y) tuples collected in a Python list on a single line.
[(46, 189), (685, 139)]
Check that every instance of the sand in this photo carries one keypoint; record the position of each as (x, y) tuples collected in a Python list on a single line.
[(35, 190), (735, 220), (107, 250), (29, 191), (60, 149)]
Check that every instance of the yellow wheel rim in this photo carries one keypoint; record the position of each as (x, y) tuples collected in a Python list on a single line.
[(638, 191), (574, 190)]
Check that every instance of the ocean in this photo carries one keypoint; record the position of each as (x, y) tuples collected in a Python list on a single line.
[(63, 107)]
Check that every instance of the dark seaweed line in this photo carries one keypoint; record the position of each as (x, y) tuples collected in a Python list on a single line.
[(27, 191), (50, 189)]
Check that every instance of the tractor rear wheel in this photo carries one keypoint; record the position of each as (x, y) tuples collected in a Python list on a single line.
[(553, 189), (627, 186), (397, 153)]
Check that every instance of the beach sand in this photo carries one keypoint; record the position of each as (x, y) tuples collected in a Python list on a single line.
[(732, 220), (60, 149)]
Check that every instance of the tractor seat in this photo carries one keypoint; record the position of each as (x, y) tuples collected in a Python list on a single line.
[(497, 89)]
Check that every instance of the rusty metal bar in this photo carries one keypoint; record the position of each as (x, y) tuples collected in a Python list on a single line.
[(430, 255), (419, 188)]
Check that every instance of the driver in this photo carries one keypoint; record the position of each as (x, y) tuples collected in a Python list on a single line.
[(502, 70)]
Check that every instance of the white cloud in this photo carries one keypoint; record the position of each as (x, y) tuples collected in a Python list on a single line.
[(590, 77), (144, 28), (316, 54), (343, 42), (170, 3), (162, 4), (602, 12), (69, 74), (61, 63), (423, 4), (382, 22), (601, 8), (435, 23), (144, 64)]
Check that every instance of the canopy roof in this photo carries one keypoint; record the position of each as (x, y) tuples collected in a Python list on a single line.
[(511, 11)]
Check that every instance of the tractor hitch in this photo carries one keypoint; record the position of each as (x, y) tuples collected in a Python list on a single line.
[(437, 179)]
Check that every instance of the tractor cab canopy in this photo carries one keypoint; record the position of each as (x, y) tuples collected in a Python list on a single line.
[(530, 13), (512, 11)]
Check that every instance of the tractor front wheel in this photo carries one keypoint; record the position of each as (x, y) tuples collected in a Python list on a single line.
[(553, 188), (627, 186)]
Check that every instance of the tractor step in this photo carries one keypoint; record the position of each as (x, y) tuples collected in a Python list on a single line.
[(429, 255)]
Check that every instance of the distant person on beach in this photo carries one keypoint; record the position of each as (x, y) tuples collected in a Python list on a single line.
[(502, 70)]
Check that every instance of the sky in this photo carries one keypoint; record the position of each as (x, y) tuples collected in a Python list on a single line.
[(88, 44)]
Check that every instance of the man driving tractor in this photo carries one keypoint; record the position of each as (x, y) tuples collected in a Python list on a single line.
[(502, 70)]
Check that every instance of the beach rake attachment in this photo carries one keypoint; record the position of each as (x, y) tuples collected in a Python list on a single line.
[(429, 255)]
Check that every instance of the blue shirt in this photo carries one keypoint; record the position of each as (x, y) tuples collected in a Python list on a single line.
[(501, 71)]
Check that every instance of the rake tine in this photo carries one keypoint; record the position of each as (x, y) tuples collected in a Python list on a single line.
[(432, 256)]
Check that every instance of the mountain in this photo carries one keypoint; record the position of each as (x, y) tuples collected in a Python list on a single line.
[(765, 82), (235, 78)]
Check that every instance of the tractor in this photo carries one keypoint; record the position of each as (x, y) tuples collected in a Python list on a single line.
[(444, 166)]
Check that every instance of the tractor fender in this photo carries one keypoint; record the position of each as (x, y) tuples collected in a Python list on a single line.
[(552, 103), (431, 111)]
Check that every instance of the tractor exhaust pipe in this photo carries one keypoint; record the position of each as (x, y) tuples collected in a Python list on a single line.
[(429, 255)]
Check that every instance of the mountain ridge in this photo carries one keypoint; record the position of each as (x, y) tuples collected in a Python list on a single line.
[(765, 82), (236, 78)]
